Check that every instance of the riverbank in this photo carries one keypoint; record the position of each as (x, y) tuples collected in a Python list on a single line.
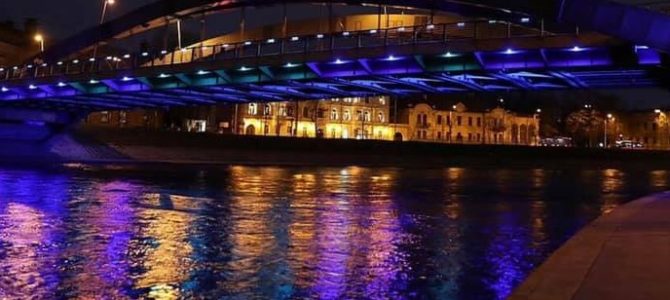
[(621, 255), (140, 146)]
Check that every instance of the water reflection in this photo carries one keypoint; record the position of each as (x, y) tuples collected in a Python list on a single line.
[(280, 233)]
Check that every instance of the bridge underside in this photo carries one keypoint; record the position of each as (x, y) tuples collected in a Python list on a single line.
[(398, 71)]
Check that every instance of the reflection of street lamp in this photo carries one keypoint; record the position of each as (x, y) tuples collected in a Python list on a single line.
[(40, 39)]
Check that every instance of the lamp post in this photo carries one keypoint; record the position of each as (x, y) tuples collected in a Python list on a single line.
[(660, 114), (40, 39), (607, 119), (105, 5)]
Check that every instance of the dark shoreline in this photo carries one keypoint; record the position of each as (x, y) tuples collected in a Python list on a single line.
[(156, 149), (163, 148)]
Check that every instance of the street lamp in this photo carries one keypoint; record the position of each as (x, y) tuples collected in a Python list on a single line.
[(40, 39), (104, 9), (105, 4), (609, 117)]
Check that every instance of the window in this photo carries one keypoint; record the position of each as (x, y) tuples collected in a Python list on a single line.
[(104, 117), (346, 116), (459, 120), (305, 112), (479, 122), (449, 120), (382, 101), (282, 110), (268, 110), (359, 115), (469, 137), (380, 117), (333, 114), (439, 135), (253, 109), (469, 121), (345, 133), (439, 119), (418, 119), (366, 115), (123, 117), (333, 133)]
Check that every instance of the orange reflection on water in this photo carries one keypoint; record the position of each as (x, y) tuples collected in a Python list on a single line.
[(167, 260)]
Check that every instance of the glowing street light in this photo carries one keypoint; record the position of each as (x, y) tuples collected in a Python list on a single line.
[(105, 4), (40, 39), (609, 118)]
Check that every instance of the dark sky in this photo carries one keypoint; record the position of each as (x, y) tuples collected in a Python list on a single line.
[(61, 18)]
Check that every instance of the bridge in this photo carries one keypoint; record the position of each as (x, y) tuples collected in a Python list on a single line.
[(494, 46)]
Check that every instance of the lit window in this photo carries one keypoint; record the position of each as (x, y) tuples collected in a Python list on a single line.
[(346, 116), (268, 109), (333, 114), (382, 101), (367, 116), (252, 109), (380, 117), (104, 117)]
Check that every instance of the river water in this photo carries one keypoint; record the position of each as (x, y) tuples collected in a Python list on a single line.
[(241, 232)]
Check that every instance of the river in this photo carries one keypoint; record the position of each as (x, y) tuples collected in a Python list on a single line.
[(247, 232)]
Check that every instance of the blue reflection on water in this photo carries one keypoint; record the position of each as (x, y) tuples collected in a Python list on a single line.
[(281, 233)]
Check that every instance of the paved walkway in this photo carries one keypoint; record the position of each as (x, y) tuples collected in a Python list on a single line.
[(622, 255)]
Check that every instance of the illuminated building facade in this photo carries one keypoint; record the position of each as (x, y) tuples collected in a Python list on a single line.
[(345, 118), (459, 125), (370, 118)]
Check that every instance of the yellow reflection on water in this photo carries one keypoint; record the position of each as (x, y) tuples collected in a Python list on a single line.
[(168, 262), (612, 181)]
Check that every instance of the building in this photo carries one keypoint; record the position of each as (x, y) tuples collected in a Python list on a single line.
[(148, 119), (345, 118), (363, 118), (651, 129), (370, 118), (459, 125)]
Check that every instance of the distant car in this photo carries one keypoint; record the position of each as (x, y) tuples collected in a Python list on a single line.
[(628, 144), (556, 142)]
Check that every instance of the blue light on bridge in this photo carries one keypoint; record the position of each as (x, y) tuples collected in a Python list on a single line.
[(244, 69), (4, 89), (392, 58), (62, 84), (93, 81), (163, 75), (126, 78), (525, 20), (295, 39), (271, 41), (203, 72), (32, 87), (449, 55), (319, 36), (510, 51), (577, 49), (290, 65)]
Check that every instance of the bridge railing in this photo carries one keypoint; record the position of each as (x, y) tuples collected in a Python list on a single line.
[(421, 34)]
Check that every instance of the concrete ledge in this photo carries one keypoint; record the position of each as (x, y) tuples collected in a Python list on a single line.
[(624, 254)]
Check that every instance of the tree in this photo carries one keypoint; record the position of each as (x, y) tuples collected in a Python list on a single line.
[(585, 127)]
